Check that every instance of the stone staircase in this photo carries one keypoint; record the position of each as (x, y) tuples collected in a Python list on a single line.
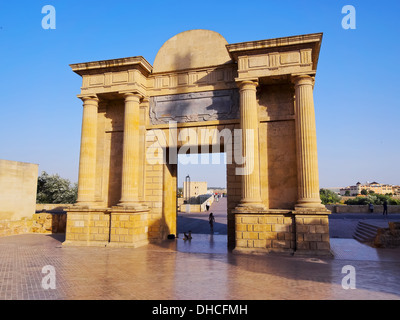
[(365, 232)]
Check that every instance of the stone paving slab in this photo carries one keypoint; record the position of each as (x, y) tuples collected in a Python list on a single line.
[(200, 269), (177, 270)]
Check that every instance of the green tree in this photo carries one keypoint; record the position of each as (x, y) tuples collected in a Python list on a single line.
[(373, 198), (364, 192), (54, 189), (328, 196), (179, 193)]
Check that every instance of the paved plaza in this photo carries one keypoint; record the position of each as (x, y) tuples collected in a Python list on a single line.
[(202, 269)]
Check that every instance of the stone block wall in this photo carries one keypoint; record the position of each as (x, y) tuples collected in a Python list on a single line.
[(128, 229), (78, 225), (264, 232), (282, 232), (312, 233)]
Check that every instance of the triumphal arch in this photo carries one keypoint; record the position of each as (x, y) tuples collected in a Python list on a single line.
[(252, 100)]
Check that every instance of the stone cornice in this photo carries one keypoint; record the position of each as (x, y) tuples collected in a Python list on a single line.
[(96, 67), (278, 44)]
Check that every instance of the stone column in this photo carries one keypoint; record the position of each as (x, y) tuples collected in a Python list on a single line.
[(87, 160), (306, 139), (251, 192), (130, 158)]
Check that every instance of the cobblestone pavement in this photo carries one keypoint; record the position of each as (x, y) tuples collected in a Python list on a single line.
[(202, 269)]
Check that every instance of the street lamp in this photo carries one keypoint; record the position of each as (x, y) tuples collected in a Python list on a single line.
[(187, 189)]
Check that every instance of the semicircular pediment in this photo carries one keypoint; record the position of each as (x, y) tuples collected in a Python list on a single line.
[(192, 49)]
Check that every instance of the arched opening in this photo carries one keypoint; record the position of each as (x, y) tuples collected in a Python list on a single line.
[(202, 190)]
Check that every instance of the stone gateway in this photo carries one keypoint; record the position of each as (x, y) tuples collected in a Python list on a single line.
[(261, 89)]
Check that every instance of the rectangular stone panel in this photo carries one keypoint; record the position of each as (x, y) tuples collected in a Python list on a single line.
[(193, 107)]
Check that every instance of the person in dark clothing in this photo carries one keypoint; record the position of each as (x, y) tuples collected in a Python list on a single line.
[(187, 236), (211, 220), (371, 208), (385, 208)]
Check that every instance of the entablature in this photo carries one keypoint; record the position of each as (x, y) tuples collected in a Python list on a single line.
[(114, 75), (275, 57)]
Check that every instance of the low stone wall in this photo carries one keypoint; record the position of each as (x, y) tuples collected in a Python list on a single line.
[(197, 207), (43, 222), (13, 227), (49, 223), (388, 237), (192, 208), (360, 208)]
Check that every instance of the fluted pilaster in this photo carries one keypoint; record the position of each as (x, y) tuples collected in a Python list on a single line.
[(130, 158), (87, 160), (251, 195), (306, 139)]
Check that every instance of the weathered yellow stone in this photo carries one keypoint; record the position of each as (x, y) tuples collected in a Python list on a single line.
[(18, 184), (271, 83)]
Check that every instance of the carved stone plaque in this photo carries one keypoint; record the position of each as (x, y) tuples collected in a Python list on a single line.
[(192, 107)]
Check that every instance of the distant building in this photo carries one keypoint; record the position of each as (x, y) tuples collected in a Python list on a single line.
[(194, 188), (373, 186)]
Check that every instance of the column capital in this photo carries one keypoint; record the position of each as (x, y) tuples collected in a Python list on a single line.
[(303, 79), (249, 84), (87, 99), (132, 95)]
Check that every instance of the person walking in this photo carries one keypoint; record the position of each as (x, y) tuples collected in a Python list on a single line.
[(371, 208), (385, 208), (211, 220)]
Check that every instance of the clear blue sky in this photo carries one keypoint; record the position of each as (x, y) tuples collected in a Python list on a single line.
[(356, 92)]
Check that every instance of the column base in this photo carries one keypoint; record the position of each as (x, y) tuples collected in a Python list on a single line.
[(299, 232), (268, 231), (107, 227), (309, 204), (87, 205), (312, 231), (131, 205), (129, 227), (311, 210), (250, 207)]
